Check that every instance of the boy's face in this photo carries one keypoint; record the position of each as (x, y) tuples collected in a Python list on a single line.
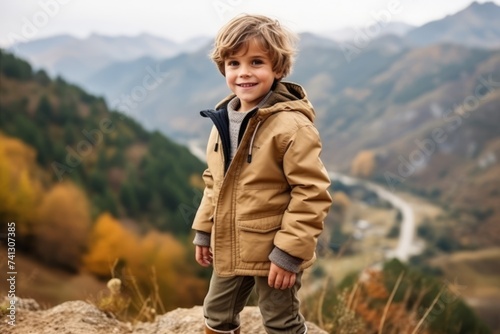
[(249, 74)]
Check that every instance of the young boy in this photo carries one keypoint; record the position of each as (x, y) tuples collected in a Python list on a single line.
[(266, 188)]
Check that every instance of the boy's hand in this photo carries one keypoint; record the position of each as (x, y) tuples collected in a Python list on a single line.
[(280, 278), (203, 255)]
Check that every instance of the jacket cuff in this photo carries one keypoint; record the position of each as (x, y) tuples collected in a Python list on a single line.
[(202, 239), (285, 261)]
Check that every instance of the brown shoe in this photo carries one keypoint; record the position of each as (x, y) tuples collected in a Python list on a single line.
[(209, 330)]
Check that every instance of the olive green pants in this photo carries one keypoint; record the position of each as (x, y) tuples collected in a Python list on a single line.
[(227, 296)]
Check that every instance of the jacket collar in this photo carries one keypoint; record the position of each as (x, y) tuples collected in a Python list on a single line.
[(286, 96)]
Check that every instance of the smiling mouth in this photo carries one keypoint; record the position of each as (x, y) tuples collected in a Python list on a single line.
[(246, 85)]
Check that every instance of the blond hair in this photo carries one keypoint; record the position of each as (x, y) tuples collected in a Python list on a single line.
[(276, 40)]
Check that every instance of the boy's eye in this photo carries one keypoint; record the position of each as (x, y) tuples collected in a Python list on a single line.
[(257, 62), (232, 63)]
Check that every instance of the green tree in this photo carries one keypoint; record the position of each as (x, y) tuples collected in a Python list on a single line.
[(44, 112), (128, 199), (97, 181), (13, 67), (42, 78)]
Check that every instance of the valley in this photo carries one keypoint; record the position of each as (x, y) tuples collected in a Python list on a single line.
[(471, 274)]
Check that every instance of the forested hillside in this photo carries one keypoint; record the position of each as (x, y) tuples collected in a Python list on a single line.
[(89, 189), (123, 169)]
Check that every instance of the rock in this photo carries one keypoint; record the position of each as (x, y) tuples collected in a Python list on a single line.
[(191, 321), (22, 303), (78, 317), (75, 317)]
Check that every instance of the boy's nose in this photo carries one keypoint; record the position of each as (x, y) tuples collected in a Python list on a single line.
[(244, 71)]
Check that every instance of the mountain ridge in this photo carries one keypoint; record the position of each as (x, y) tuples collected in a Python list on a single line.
[(59, 54), (475, 26)]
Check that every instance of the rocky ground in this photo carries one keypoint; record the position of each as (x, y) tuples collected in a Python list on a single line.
[(79, 317)]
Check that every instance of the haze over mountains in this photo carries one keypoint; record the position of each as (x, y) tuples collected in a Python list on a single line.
[(79, 59), (76, 59), (425, 100)]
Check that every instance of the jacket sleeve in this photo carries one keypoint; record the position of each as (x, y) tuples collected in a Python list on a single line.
[(203, 220), (310, 200)]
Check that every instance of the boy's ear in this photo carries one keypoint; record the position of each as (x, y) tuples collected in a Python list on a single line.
[(275, 83), (278, 76)]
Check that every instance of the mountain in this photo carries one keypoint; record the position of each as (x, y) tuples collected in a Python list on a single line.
[(189, 82), (428, 115), (476, 26), (310, 40), (348, 34), (76, 58)]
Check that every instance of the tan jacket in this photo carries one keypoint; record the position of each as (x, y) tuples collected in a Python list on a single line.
[(273, 194)]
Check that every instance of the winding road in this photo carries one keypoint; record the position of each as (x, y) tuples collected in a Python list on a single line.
[(406, 244)]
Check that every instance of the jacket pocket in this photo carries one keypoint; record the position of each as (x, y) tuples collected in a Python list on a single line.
[(256, 237)]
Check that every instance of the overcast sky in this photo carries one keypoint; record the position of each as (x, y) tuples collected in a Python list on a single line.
[(180, 20)]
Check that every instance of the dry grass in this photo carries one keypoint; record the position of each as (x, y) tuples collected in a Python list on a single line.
[(357, 310), (389, 301), (130, 304)]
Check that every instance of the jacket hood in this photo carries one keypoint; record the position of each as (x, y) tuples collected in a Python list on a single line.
[(286, 96)]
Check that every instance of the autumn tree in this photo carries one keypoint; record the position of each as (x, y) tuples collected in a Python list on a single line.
[(154, 261), (110, 243), (63, 226), (363, 164), (20, 188)]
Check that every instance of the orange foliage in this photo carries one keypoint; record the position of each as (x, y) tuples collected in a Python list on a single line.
[(109, 241), (196, 181), (166, 255), (155, 259), (371, 297), (20, 189), (160, 250), (63, 226), (363, 164)]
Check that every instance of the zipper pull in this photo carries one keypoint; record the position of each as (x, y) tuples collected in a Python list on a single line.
[(216, 147)]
